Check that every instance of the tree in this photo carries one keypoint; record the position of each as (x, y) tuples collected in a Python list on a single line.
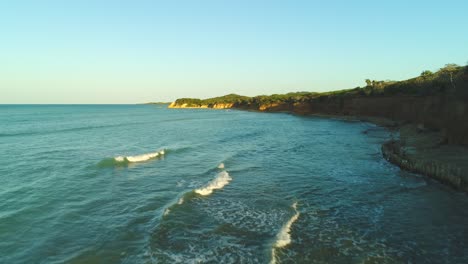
[(426, 73), (368, 82), (449, 70)]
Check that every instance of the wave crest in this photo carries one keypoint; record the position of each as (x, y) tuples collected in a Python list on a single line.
[(222, 179), (140, 158), (284, 236)]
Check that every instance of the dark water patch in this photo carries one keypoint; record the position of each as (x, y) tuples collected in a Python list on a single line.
[(186, 119), (243, 135), (181, 238), (66, 130)]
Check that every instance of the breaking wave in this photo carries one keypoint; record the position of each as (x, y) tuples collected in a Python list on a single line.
[(122, 161), (179, 202), (283, 238), (222, 179)]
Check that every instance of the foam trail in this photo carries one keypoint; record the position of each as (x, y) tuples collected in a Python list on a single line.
[(284, 237), (167, 211), (140, 158), (221, 180), (179, 202), (221, 166)]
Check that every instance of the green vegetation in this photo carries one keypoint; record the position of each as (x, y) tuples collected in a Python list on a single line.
[(190, 102), (451, 78), (282, 98), (239, 100), (226, 99), (428, 83), (426, 73)]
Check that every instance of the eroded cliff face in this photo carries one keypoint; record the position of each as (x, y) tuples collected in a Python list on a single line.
[(175, 105), (221, 106), (444, 113), (448, 115), (214, 106)]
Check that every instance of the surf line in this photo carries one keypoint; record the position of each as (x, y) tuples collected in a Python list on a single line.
[(283, 238), (222, 179)]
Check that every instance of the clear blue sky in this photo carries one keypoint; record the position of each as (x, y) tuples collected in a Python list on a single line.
[(135, 51)]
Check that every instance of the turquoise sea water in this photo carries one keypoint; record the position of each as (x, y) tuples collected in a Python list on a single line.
[(231, 187)]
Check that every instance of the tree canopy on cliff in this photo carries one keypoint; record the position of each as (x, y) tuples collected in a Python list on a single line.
[(226, 99)]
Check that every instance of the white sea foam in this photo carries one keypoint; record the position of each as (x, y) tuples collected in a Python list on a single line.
[(140, 158), (181, 200), (221, 180), (167, 211), (284, 237), (119, 158), (221, 166)]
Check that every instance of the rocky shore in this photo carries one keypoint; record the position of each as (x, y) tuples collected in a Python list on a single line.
[(424, 152)]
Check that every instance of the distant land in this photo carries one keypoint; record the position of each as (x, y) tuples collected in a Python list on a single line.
[(428, 112)]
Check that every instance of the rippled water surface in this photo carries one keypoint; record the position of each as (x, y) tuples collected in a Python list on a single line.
[(146, 184)]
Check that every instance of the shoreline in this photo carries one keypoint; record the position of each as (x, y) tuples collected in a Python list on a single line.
[(425, 153), (417, 149)]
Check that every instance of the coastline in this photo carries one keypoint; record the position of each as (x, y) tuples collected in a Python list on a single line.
[(417, 149), (429, 112)]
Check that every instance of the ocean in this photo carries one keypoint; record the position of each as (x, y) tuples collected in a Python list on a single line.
[(147, 184)]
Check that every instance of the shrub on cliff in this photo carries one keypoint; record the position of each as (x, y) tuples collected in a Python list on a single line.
[(426, 73), (191, 102)]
